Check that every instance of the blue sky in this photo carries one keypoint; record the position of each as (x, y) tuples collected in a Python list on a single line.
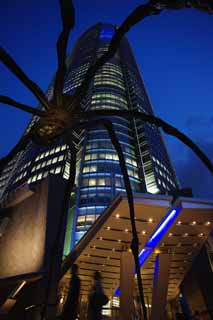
[(174, 52)]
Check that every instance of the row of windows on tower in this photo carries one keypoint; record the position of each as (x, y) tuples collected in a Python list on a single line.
[(151, 184), (104, 82), (99, 133), (107, 96), (110, 67), (49, 162), (44, 174), (109, 76), (43, 164), (94, 198), (114, 74), (51, 152), (161, 165), (92, 169), (75, 77), (108, 156), (102, 144), (106, 181)]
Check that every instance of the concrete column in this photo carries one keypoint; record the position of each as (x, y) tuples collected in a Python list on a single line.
[(127, 267), (160, 286)]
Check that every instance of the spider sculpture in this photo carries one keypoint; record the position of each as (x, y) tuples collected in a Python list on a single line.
[(61, 115)]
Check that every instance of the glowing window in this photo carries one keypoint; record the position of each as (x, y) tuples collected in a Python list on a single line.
[(57, 170), (55, 160), (90, 218), (92, 182)]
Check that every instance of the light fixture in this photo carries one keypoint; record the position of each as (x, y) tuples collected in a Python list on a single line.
[(101, 238), (170, 234), (207, 223), (108, 228), (194, 223), (179, 223), (117, 215), (143, 232), (185, 234), (157, 251), (200, 234), (126, 230), (119, 240), (150, 220)]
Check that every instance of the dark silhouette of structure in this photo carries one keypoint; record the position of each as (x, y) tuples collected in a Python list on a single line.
[(71, 307), (96, 299)]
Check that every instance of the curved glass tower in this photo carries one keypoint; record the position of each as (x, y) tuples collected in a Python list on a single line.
[(117, 85)]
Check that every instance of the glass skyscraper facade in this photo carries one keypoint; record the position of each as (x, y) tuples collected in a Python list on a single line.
[(117, 85)]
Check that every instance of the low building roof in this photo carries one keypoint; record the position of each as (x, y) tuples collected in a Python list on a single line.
[(101, 246)]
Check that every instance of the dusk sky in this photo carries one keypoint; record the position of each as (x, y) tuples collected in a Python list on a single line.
[(174, 52)]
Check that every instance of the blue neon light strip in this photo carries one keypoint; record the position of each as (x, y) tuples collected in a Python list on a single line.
[(144, 255), (164, 225), (156, 237)]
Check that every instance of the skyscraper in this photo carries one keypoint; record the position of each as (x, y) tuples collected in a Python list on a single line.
[(117, 85)]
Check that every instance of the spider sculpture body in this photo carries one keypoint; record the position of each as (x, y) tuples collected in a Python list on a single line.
[(63, 114)]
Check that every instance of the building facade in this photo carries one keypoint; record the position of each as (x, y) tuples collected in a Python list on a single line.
[(117, 85)]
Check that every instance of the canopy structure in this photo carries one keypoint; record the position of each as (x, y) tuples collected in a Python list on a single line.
[(178, 230)]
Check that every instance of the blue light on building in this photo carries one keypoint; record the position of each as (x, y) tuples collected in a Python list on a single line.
[(156, 237)]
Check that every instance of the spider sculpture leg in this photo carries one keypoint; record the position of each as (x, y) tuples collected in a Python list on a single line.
[(167, 128), (21, 106), (68, 22), (150, 8), (19, 73), (68, 138), (135, 242)]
